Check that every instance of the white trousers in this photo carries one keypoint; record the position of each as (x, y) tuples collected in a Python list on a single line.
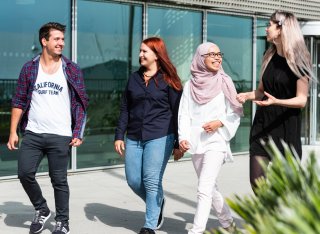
[(207, 167)]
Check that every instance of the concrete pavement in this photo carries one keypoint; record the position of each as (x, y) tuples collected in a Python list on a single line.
[(102, 203)]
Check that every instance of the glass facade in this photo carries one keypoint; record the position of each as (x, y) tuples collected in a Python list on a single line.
[(317, 90), (182, 32), (20, 22), (262, 44), (107, 52), (107, 37), (230, 32)]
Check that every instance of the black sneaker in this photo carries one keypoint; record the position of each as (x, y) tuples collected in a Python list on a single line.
[(61, 228), (146, 231), (161, 216), (40, 218)]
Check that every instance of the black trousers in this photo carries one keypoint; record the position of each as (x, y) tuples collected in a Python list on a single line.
[(33, 148)]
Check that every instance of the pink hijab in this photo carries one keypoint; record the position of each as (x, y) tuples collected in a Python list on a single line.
[(205, 85)]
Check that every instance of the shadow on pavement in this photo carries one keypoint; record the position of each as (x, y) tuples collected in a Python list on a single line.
[(16, 214), (131, 220), (134, 220)]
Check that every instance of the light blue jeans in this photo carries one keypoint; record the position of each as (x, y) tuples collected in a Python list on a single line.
[(145, 162)]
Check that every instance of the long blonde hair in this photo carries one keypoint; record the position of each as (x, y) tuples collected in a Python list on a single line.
[(293, 45)]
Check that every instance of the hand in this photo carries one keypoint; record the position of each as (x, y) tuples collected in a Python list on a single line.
[(75, 142), (13, 140), (184, 146), (177, 154), (241, 98), (270, 101), (212, 126), (119, 147)]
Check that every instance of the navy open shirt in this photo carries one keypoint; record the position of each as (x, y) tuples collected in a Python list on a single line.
[(148, 112)]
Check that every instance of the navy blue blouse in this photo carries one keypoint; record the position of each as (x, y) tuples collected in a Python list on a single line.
[(148, 112)]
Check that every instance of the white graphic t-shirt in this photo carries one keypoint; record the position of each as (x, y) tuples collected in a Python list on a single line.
[(50, 104)]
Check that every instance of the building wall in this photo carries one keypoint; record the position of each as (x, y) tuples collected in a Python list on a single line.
[(104, 37), (306, 9)]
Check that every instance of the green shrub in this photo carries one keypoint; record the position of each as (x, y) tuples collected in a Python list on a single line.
[(286, 202)]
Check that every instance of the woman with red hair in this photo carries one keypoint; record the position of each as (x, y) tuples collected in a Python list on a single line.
[(148, 117)]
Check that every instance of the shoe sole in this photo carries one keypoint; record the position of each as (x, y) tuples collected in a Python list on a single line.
[(68, 232), (44, 222), (162, 208)]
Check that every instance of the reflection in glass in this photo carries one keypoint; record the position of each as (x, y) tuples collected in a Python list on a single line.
[(233, 35), (109, 37), (182, 32), (262, 44), (317, 92), (20, 22)]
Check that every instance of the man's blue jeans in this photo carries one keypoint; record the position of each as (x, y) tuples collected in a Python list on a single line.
[(145, 162)]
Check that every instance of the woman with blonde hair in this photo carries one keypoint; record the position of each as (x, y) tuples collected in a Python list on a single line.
[(282, 92)]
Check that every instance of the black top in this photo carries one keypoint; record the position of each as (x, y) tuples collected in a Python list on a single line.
[(148, 112), (277, 121)]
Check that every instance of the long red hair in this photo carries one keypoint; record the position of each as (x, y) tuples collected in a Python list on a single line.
[(157, 45)]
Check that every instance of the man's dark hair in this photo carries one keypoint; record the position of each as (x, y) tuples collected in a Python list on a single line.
[(44, 31)]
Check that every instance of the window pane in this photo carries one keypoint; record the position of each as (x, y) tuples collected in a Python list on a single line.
[(182, 32), (233, 35), (21, 20), (262, 44), (109, 38), (20, 23)]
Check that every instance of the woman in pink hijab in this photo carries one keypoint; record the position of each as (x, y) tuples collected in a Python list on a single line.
[(209, 116)]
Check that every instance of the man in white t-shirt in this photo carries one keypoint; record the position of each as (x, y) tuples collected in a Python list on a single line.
[(50, 106)]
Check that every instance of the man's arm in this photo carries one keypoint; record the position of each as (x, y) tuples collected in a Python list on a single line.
[(16, 114)]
